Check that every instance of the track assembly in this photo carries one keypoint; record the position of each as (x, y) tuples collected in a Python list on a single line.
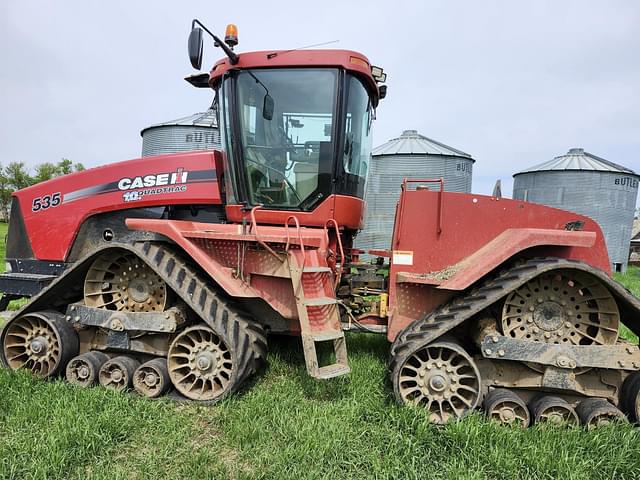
[(121, 281), (562, 307)]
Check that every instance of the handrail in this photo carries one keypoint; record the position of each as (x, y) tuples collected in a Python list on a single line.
[(254, 229), (405, 182), (335, 224), (302, 248)]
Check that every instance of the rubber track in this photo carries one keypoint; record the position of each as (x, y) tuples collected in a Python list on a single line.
[(245, 338), (443, 319)]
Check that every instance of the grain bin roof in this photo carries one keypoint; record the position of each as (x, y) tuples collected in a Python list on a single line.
[(412, 143), (578, 159), (201, 119)]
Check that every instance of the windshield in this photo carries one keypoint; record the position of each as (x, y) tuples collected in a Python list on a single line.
[(286, 120)]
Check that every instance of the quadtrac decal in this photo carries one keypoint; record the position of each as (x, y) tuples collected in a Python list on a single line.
[(136, 188)]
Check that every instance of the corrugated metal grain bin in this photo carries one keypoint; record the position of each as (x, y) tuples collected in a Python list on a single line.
[(195, 132), (589, 185), (409, 156)]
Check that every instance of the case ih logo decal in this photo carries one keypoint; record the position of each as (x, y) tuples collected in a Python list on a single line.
[(134, 188), (153, 180), (172, 182)]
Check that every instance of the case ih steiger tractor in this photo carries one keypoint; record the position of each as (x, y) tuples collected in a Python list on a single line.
[(166, 274)]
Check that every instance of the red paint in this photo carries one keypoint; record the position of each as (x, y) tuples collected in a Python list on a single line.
[(347, 211), (475, 234), (52, 231), (297, 59), (214, 247)]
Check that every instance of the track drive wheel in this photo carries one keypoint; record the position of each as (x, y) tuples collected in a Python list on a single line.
[(553, 410), (507, 408), (440, 377), (151, 379), (83, 370), (597, 412), (42, 342), (119, 280), (562, 306), (117, 373)]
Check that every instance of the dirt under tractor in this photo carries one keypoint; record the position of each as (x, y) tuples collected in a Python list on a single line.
[(167, 274)]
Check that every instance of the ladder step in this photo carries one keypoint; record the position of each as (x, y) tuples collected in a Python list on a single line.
[(327, 335), (316, 270), (318, 301), (334, 370)]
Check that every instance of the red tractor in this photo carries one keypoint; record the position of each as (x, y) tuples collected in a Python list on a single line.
[(166, 274)]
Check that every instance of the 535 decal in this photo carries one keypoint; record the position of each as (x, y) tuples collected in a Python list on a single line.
[(45, 202)]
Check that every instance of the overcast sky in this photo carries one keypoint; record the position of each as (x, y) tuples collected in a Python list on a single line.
[(513, 83)]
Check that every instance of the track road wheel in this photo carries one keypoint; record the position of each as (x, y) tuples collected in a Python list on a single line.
[(553, 410), (201, 364), (83, 370), (42, 342), (507, 408), (630, 397), (597, 412), (151, 379), (117, 373), (440, 377)]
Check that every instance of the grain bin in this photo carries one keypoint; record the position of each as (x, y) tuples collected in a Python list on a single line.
[(589, 185), (411, 155), (195, 132)]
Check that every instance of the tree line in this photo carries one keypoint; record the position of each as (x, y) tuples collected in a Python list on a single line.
[(16, 176)]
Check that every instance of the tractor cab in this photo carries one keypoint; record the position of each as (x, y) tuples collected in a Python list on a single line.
[(295, 126)]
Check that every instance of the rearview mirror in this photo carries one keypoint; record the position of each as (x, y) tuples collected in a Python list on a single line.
[(195, 48), (268, 106)]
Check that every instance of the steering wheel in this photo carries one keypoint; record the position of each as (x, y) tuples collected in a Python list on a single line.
[(284, 179)]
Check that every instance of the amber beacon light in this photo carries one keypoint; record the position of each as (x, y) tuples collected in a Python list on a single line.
[(231, 35)]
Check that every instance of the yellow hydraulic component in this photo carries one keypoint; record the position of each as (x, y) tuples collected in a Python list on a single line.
[(384, 303)]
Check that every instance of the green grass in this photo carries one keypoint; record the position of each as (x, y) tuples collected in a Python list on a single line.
[(631, 280), (285, 426)]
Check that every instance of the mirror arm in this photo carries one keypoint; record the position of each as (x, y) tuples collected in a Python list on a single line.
[(233, 57)]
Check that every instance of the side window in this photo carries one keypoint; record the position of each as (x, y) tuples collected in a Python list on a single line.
[(227, 145), (357, 145)]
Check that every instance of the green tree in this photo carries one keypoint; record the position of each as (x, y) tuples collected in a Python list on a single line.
[(5, 195), (78, 167), (65, 166), (45, 171), (17, 175)]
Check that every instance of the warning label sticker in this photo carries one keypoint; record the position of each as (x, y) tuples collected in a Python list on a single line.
[(401, 257)]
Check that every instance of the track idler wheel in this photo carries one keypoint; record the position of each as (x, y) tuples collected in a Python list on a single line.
[(200, 364), (84, 369), (117, 373), (596, 412), (151, 379), (507, 408), (630, 397), (553, 410), (441, 377), (42, 342)]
